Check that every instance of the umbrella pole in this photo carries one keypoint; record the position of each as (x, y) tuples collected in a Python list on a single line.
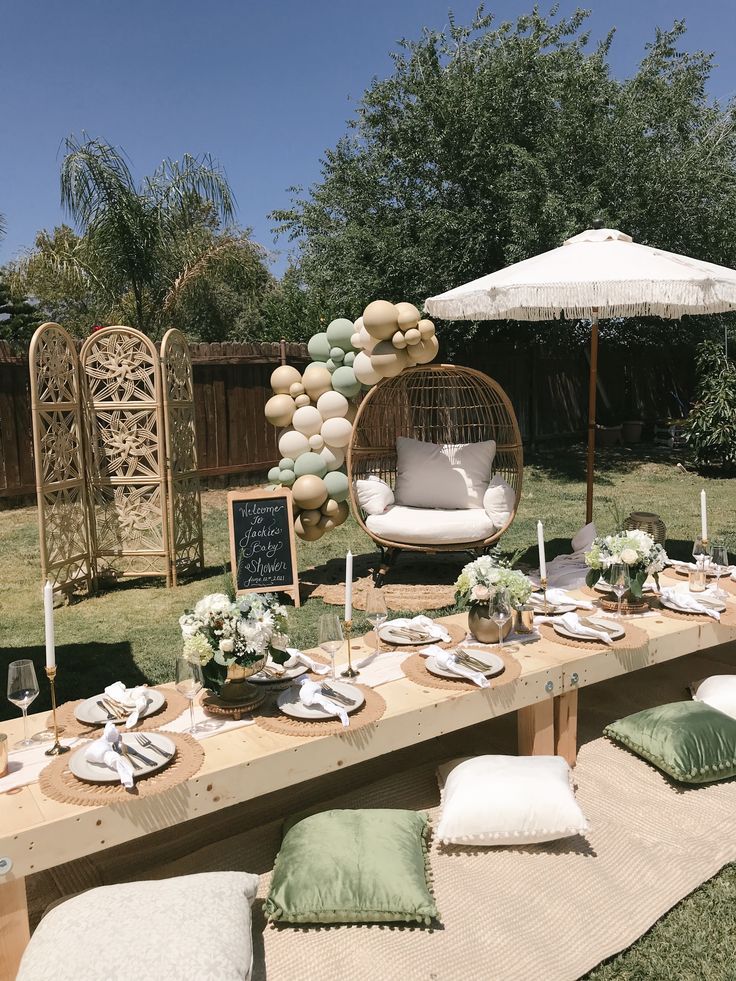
[(592, 389)]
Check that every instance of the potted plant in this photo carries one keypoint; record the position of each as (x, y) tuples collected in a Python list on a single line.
[(232, 639), (475, 587), (635, 549)]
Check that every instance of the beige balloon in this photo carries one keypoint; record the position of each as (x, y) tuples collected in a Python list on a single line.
[(412, 336), (399, 341), (330, 507), (423, 352), (343, 511), (309, 492), (355, 341), (296, 389), (317, 380), (308, 533), (301, 400), (364, 370), (367, 343), (283, 377), (387, 361), (381, 319), (310, 517), (409, 316), (279, 410), (425, 328)]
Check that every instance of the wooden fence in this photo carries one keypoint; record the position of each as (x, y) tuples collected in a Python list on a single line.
[(231, 381)]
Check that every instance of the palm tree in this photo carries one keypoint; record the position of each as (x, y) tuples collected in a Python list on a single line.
[(139, 239)]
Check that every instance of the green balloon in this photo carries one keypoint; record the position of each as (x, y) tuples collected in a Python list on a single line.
[(319, 347), (274, 475), (339, 333), (345, 382), (286, 464), (337, 485), (349, 359), (337, 354), (310, 463), (330, 365), (287, 477)]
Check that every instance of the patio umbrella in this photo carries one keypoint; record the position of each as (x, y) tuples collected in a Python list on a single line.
[(600, 273)]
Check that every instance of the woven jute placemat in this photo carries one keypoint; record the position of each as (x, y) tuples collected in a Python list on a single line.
[(728, 617), (457, 634), (274, 720), (415, 669), (58, 782), (634, 639), (172, 708)]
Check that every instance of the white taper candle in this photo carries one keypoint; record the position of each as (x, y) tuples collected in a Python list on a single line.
[(542, 557), (703, 517), (48, 611), (348, 587)]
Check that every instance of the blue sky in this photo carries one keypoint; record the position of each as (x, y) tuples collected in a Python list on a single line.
[(263, 86)]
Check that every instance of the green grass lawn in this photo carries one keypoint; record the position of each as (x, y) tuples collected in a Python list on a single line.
[(131, 632)]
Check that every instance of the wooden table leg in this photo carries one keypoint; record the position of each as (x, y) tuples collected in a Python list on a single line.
[(536, 729), (566, 726), (14, 929)]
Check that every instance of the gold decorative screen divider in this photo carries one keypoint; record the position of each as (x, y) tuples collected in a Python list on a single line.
[(137, 481)]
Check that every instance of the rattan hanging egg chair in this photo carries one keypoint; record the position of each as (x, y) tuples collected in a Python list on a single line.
[(434, 404)]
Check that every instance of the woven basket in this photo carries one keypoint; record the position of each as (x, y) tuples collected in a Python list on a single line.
[(649, 522)]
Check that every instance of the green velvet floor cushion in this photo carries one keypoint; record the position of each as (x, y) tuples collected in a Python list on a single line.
[(689, 741), (353, 866)]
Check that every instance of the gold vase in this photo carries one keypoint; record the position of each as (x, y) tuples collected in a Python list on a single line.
[(484, 629), (236, 687)]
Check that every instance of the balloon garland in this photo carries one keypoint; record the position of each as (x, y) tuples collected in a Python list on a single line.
[(315, 409)]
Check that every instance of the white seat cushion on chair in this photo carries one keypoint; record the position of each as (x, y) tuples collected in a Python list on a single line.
[(448, 476), (431, 526), (191, 926)]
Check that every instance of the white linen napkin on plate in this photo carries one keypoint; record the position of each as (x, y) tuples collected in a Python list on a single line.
[(435, 630), (571, 622), (310, 693), (559, 597), (136, 697), (297, 657), (448, 661), (685, 601), (103, 750)]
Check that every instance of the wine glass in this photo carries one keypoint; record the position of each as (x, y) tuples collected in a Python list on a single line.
[(22, 690), (189, 682), (719, 560), (700, 552), (330, 638), (501, 612), (619, 581), (376, 613)]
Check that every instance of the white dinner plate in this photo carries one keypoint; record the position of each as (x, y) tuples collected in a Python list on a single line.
[(712, 604), (90, 772), (564, 632), (685, 568), (290, 703), (92, 714), (555, 610), (389, 635), (602, 587), (288, 674), (494, 662)]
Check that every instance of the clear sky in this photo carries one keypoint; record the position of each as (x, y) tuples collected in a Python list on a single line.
[(264, 86)]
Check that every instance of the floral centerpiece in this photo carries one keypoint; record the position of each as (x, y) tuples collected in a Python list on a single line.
[(635, 549), (477, 584), (232, 638)]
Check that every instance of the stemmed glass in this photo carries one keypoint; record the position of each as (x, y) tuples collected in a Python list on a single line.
[(501, 612), (719, 560), (376, 613), (330, 638), (22, 690), (619, 581), (189, 682)]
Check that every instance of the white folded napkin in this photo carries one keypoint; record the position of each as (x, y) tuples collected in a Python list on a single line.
[(103, 750), (310, 693), (297, 657), (435, 630), (707, 565), (685, 601), (135, 698), (448, 661), (571, 622), (559, 597)]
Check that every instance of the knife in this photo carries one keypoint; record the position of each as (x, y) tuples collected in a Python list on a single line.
[(140, 756), (111, 718)]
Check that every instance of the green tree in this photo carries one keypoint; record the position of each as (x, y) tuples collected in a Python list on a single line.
[(18, 317), (711, 425), (490, 143)]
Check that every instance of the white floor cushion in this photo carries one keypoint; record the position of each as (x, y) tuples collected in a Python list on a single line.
[(508, 800), (192, 926), (718, 691), (429, 526)]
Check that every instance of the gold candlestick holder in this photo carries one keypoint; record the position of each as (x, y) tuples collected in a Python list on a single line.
[(543, 584), (349, 671), (57, 749)]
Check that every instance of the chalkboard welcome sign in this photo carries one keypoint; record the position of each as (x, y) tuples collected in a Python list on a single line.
[(262, 547)]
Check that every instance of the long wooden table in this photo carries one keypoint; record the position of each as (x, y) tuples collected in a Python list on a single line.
[(38, 833)]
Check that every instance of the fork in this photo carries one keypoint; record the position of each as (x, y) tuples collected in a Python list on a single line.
[(337, 695), (147, 743), (470, 661)]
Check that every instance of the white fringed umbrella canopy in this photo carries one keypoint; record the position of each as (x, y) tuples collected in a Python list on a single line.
[(600, 273)]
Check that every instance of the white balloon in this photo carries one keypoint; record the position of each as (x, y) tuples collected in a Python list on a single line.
[(334, 457), (332, 405), (307, 420), (293, 444), (364, 370), (302, 400), (316, 442), (336, 432), (367, 343)]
